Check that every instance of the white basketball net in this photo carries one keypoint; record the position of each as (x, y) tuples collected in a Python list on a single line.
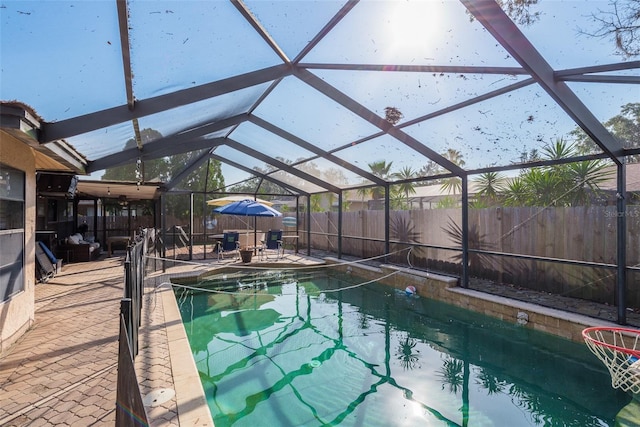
[(619, 350)]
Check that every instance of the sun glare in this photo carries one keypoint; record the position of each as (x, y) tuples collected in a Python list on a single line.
[(412, 24)]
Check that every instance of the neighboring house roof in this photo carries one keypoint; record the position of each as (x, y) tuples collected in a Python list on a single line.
[(632, 171)]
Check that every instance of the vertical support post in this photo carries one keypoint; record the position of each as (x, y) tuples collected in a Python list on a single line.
[(387, 208), (190, 226), (104, 222), (75, 213), (340, 224), (204, 210), (125, 311), (464, 279), (298, 224), (621, 245), (95, 218), (163, 230), (308, 225), (157, 213)]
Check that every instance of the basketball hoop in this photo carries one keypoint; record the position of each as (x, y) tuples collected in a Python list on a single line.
[(619, 350)]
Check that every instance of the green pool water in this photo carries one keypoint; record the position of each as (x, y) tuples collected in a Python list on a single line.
[(283, 349)]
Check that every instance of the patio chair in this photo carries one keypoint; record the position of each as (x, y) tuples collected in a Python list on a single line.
[(272, 242), (45, 269), (229, 244)]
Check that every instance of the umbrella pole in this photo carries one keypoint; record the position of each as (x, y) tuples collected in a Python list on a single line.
[(255, 231)]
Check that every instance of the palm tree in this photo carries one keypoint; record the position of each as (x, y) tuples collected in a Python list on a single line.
[(490, 186), (406, 187), (382, 170), (453, 185), (454, 156), (558, 150), (544, 187), (515, 193), (569, 184), (586, 176)]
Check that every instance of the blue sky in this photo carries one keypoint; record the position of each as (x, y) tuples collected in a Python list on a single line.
[(63, 59)]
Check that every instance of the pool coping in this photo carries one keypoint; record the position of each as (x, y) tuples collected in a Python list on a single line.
[(191, 402)]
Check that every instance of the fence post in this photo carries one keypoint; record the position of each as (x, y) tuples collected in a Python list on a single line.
[(125, 311)]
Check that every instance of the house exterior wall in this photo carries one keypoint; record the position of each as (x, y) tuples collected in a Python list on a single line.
[(18, 312)]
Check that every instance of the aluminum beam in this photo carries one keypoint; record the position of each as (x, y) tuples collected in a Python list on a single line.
[(282, 184), (257, 26), (131, 155), (319, 152), (281, 165), (493, 18), (109, 117), (123, 25), (346, 8), (170, 145), (195, 164), (361, 111)]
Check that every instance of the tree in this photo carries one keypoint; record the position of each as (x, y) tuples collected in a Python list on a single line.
[(569, 184), (544, 188), (622, 23), (624, 126), (515, 193), (490, 185), (454, 184), (206, 178), (155, 169), (586, 177), (381, 169), (530, 156), (519, 11), (430, 168), (406, 188), (316, 203), (397, 199)]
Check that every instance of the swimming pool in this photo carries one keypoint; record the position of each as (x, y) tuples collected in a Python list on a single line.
[(282, 349)]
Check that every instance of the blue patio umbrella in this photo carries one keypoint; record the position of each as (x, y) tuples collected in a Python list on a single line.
[(247, 208)]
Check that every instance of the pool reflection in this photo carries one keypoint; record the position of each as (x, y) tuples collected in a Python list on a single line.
[(293, 352)]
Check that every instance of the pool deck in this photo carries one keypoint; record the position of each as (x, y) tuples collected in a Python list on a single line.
[(63, 371)]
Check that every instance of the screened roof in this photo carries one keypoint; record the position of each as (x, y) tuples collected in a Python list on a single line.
[(297, 92)]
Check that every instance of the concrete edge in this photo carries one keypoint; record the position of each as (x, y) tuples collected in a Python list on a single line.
[(191, 402)]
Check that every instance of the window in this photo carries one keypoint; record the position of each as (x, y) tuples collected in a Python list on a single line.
[(11, 231)]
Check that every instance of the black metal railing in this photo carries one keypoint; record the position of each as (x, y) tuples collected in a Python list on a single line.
[(129, 405)]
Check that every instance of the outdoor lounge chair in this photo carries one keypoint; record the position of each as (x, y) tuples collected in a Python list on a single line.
[(229, 244), (272, 242), (46, 268)]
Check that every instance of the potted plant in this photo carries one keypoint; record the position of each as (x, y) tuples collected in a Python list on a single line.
[(246, 254)]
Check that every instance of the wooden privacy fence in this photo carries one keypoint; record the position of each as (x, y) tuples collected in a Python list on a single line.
[(579, 235)]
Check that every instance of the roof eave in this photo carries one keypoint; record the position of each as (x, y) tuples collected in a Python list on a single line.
[(25, 127)]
